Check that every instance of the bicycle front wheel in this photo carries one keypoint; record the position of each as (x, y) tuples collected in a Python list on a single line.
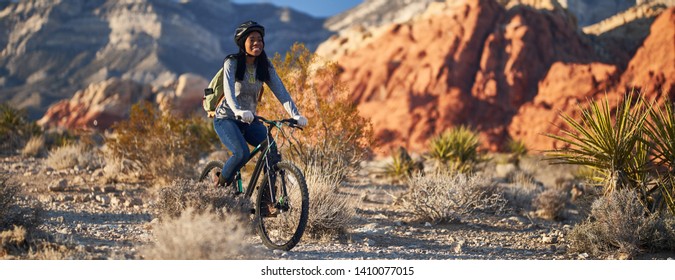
[(282, 207)]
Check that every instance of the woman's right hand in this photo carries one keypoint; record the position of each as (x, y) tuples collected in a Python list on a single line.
[(244, 115)]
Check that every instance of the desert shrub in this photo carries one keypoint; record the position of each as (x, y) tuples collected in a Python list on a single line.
[(619, 224), (550, 204), (330, 211), (15, 129), (73, 155), (456, 148), (200, 235), (182, 194), (401, 166), (14, 241), (336, 134), (34, 147), (443, 197), (164, 145), (520, 191)]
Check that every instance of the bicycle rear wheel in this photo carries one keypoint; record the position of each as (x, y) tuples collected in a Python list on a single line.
[(210, 170), (282, 225)]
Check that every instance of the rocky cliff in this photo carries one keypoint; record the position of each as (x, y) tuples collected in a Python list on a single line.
[(51, 49), (505, 70)]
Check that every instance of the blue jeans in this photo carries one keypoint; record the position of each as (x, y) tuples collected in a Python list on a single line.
[(235, 135)]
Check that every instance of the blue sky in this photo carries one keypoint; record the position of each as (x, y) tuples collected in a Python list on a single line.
[(317, 8)]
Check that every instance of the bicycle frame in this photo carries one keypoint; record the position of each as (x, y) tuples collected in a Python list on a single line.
[(263, 162)]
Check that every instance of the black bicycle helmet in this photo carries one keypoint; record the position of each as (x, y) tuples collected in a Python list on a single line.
[(244, 29)]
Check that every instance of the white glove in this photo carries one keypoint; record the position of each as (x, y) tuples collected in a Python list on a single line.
[(302, 121), (244, 115)]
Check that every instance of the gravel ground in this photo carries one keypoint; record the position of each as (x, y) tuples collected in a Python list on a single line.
[(112, 221)]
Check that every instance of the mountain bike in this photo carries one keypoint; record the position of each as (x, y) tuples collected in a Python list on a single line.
[(282, 200)]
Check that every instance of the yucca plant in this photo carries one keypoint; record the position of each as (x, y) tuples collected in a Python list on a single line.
[(611, 147), (661, 133), (401, 166), (456, 148), (517, 149)]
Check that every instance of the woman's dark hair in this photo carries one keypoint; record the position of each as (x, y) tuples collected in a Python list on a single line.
[(262, 71)]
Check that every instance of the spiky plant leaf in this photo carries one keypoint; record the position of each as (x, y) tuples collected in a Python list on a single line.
[(607, 145)]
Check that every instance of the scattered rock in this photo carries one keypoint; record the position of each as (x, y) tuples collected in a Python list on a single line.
[(133, 202), (549, 239), (58, 186), (117, 201), (78, 181), (103, 199)]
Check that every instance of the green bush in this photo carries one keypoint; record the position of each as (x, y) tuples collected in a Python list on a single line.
[(166, 146), (15, 129), (456, 148)]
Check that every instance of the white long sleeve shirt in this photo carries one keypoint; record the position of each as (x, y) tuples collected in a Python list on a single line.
[(243, 95)]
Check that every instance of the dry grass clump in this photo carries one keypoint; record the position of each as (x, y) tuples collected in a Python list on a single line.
[(72, 155), (330, 212), (183, 194), (550, 204), (201, 235), (166, 146), (619, 225), (35, 146), (443, 197)]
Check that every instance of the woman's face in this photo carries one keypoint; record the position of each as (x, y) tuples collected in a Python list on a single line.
[(254, 44)]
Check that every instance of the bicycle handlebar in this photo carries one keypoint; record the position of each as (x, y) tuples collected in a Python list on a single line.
[(290, 121)]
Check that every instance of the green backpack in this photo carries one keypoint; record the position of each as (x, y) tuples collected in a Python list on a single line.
[(213, 95)]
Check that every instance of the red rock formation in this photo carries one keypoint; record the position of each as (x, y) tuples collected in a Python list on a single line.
[(507, 73), (652, 69), (98, 106), (475, 64)]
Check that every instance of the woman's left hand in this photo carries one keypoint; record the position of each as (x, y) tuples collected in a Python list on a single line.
[(302, 121)]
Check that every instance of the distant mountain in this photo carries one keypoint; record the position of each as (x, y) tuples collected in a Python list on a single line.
[(50, 49)]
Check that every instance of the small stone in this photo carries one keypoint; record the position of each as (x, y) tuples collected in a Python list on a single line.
[(583, 255), (116, 201), (30, 173), (58, 186), (133, 202), (103, 199), (427, 224), (108, 189), (49, 169), (78, 180), (45, 198), (548, 239)]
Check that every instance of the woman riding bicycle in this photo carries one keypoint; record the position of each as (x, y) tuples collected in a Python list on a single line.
[(244, 74)]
